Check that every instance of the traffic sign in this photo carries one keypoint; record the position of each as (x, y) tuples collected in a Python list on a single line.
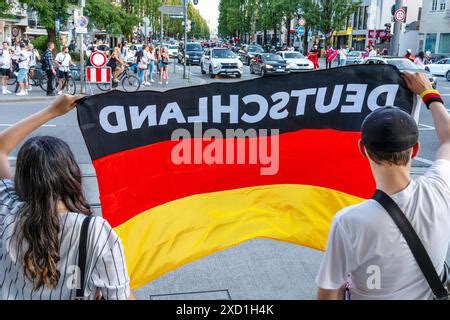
[(301, 30), (81, 22), (98, 59), (81, 30), (302, 22), (98, 75), (400, 15)]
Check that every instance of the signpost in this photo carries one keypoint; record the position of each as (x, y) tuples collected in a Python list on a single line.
[(400, 15), (301, 31), (98, 59), (302, 22), (83, 24)]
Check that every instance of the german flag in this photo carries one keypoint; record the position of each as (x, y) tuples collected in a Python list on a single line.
[(169, 213)]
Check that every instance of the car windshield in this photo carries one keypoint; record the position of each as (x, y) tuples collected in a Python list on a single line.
[(293, 55), (272, 57), (223, 54), (255, 49), (403, 64), (194, 47)]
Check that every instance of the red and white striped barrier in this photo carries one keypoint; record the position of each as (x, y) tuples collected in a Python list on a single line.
[(98, 75)]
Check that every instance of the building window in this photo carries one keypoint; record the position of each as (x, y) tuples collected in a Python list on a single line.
[(442, 5), (434, 4), (444, 43), (355, 21), (361, 18), (366, 17), (430, 42)]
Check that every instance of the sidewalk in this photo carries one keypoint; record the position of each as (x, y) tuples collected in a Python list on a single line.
[(175, 81)]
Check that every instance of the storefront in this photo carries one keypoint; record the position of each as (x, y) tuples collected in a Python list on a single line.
[(359, 42)]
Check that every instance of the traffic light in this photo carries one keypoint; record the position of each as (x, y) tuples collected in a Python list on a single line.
[(195, 2)]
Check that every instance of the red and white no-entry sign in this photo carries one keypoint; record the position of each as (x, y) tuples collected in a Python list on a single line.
[(302, 22), (98, 75), (400, 15), (98, 59)]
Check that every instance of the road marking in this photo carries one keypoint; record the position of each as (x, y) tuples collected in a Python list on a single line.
[(424, 160), (424, 127), (10, 125)]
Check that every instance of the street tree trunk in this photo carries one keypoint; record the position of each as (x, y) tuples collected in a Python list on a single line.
[(51, 35), (288, 28)]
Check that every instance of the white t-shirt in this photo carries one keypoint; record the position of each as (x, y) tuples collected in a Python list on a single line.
[(365, 245), (420, 63), (64, 60), (24, 59), (34, 55), (343, 54), (372, 53), (5, 60)]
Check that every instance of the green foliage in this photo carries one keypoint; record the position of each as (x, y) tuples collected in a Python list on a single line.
[(4, 7), (328, 15), (40, 43), (245, 16)]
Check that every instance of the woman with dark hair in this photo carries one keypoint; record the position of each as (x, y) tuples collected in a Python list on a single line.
[(420, 60), (41, 214)]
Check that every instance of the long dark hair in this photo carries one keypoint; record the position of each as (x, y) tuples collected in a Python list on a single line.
[(46, 174)]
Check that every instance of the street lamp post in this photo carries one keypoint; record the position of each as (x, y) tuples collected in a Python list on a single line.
[(81, 4), (397, 29), (185, 37)]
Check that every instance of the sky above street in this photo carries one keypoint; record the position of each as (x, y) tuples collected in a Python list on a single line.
[(209, 9)]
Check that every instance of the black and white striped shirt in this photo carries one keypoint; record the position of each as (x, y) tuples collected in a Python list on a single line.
[(106, 269)]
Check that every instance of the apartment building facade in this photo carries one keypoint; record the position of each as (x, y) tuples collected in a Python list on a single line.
[(435, 27)]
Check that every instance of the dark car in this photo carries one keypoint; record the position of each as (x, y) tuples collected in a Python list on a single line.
[(193, 53), (248, 51), (268, 63)]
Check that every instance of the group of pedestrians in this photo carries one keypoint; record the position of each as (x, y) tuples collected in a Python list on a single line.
[(150, 58), (21, 59)]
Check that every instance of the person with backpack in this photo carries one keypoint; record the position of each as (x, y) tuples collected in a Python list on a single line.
[(370, 253), (48, 67), (142, 64)]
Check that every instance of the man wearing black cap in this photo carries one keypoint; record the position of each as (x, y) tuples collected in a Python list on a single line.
[(366, 252)]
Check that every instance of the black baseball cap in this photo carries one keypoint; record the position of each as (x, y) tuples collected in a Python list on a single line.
[(389, 129)]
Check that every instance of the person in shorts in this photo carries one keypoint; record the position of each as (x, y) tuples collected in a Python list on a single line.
[(63, 61), (23, 59), (5, 67)]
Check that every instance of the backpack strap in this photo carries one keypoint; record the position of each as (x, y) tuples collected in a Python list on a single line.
[(82, 255), (412, 239)]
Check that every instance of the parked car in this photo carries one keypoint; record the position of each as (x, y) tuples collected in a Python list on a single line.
[(440, 68), (355, 57), (172, 50), (296, 61), (268, 63), (402, 64), (193, 53), (221, 61), (248, 51)]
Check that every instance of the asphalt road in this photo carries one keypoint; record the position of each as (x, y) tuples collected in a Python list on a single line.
[(257, 269)]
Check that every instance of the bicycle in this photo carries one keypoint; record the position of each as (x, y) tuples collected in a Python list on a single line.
[(125, 78), (68, 84), (33, 79)]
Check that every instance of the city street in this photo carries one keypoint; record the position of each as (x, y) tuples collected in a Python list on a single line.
[(257, 269)]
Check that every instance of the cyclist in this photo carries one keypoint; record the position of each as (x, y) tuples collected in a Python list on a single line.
[(63, 61), (34, 57), (116, 64)]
